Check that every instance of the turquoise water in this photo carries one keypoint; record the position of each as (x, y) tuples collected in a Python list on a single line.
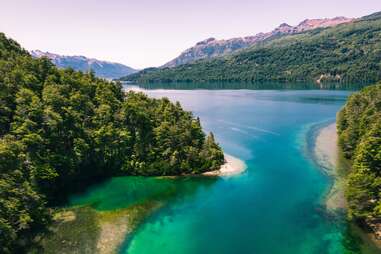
[(275, 207)]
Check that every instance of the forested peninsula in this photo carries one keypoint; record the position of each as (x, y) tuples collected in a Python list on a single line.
[(61, 129), (359, 128), (347, 53)]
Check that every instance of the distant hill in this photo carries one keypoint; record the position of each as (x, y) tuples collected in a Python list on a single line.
[(212, 47), (349, 52), (102, 69), (376, 15)]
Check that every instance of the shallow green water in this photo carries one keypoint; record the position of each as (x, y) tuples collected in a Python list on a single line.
[(276, 206)]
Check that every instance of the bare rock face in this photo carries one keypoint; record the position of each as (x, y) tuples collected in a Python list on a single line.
[(212, 47), (310, 24)]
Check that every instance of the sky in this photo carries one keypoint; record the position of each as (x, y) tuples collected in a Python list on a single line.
[(144, 33)]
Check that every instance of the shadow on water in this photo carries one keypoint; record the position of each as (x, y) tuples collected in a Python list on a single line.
[(252, 86), (122, 192)]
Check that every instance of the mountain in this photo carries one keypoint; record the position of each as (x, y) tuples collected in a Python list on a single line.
[(212, 47), (375, 15), (349, 52), (102, 69)]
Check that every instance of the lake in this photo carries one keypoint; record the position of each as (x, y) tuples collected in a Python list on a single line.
[(277, 206)]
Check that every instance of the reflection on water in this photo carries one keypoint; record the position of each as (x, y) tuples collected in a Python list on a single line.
[(252, 86), (122, 192)]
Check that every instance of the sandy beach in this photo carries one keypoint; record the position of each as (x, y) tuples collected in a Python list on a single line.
[(327, 154), (326, 148), (232, 166)]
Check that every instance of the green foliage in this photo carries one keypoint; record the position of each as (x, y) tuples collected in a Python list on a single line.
[(359, 127), (60, 129), (356, 118), (22, 208), (345, 53)]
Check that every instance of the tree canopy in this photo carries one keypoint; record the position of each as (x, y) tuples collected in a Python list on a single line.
[(61, 128), (359, 127)]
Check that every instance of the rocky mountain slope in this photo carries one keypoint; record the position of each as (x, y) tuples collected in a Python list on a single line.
[(212, 47), (102, 69), (347, 54)]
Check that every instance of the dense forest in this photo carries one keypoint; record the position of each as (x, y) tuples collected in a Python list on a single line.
[(63, 128), (359, 127), (345, 53)]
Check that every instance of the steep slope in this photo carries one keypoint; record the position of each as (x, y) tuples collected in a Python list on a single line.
[(345, 53), (102, 69), (375, 15), (212, 47)]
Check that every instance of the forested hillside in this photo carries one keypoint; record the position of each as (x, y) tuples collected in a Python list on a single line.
[(359, 127), (61, 128), (345, 53), (211, 47)]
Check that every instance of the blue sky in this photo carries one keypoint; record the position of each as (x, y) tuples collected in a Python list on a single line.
[(143, 33)]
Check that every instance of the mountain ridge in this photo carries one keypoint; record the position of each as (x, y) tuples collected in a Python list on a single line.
[(101, 68), (346, 53), (211, 47)]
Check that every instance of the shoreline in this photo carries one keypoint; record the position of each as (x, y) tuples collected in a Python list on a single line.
[(232, 166), (326, 152), (328, 156), (326, 148), (109, 230)]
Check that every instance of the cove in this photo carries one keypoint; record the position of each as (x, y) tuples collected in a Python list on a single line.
[(276, 206)]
